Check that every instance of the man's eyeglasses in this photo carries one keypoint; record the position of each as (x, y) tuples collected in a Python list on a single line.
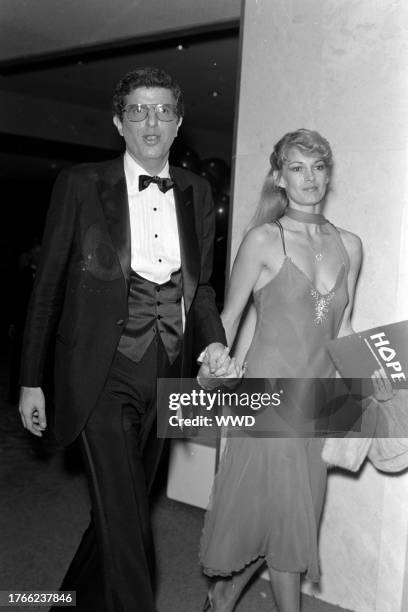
[(139, 112)]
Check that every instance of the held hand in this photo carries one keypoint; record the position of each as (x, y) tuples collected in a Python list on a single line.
[(32, 410), (209, 381), (216, 357), (232, 370), (383, 390)]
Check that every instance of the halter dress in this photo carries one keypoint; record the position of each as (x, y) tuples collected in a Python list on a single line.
[(268, 493)]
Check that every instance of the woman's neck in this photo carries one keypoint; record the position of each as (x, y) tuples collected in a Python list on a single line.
[(305, 217)]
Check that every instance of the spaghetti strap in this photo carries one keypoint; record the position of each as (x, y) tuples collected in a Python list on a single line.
[(341, 246), (278, 223)]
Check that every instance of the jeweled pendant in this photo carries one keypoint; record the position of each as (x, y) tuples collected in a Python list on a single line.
[(321, 305)]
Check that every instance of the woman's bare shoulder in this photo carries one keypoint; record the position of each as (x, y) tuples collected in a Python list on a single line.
[(354, 247), (262, 235), (351, 241)]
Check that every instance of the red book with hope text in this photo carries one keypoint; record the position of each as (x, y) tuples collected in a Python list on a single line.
[(386, 346)]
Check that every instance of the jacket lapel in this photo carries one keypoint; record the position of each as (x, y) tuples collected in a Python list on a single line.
[(189, 250), (115, 205), (113, 193)]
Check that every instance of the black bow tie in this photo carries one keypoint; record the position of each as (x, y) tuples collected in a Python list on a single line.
[(164, 184)]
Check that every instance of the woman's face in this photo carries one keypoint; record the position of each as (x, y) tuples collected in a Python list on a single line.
[(304, 178)]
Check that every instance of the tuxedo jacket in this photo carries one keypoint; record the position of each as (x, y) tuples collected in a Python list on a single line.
[(82, 281)]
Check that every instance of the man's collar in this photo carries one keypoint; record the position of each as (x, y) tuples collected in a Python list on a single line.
[(133, 170)]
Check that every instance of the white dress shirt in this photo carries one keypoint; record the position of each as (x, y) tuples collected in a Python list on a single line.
[(155, 247)]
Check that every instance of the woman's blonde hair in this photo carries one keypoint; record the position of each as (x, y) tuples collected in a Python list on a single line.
[(273, 200)]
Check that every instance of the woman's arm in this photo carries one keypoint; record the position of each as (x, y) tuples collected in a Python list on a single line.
[(382, 386), (247, 267), (245, 333), (353, 246), (245, 272)]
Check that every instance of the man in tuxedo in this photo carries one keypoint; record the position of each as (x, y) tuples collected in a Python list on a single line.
[(124, 281)]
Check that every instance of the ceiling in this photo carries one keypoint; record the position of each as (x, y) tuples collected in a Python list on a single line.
[(52, 51), (31, 28)]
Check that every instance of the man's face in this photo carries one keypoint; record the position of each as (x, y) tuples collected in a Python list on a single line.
[(149, 141)]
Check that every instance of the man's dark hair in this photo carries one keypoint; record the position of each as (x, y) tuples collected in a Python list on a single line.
[(145, 77)]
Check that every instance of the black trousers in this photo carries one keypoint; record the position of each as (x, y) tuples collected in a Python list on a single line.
[(113, 569)]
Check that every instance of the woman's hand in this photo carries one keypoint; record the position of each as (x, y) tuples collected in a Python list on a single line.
[(208, 380), (383, 390)]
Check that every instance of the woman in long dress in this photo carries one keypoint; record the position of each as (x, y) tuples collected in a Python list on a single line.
[(301, 272)]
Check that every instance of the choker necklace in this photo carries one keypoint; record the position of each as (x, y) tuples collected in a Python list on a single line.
[(305, 217)]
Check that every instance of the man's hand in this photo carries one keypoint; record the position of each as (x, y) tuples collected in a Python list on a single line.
[(234, 370), (32, 410), (213, 373), (216, 359)]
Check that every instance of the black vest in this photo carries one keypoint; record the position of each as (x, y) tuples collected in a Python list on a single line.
[(153, 309)]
